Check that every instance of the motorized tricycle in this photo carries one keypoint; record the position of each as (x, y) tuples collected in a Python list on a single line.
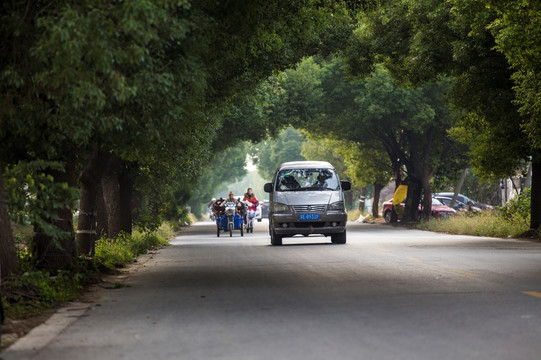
[(231, 218)]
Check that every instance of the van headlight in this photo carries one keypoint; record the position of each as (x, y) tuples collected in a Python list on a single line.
[(339, 205), (279, 207)]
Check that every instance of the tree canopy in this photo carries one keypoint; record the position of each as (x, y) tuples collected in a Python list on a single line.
[(269, 154), (126, 106), (467, 41), (376, 115), (131, 99)]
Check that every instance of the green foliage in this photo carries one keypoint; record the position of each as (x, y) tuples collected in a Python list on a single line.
[(518, 208), (271, 153), (228, 166), (301, 94), (363, 166), (323, 149), (486, 223), (33, 196), (246, 116), (160, 84), (517, 32), (420, 41), (376, 115), (35, 291), (113, 253)]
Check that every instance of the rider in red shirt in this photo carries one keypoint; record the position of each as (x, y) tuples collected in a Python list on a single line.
[(251, 202)]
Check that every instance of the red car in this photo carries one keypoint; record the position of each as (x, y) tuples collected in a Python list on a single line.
[(438, 209)]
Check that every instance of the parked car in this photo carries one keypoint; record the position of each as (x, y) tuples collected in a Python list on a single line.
[(463, 199), (459, 205), (264, 209), (306, 198), (438, 209)]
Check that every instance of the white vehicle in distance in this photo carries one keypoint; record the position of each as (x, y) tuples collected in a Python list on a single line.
[(258, 213)]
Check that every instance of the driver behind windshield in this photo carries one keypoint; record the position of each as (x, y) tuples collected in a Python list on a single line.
[(321, 181), (307, 179)]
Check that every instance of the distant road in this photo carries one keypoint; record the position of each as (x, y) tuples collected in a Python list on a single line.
[(389, 293)]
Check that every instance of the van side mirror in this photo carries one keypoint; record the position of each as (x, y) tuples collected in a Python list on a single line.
[(346, 185), (268, 187)]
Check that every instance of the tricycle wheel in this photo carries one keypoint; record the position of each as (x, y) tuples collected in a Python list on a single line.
[(230, 230), (217, 230), (241, 231)]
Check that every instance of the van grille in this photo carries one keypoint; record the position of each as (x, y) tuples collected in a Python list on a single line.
[(309, 208)]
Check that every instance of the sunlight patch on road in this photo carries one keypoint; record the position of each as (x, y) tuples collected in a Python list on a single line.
[(533, 293)]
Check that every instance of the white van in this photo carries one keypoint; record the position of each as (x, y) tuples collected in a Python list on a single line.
[(306, 197)]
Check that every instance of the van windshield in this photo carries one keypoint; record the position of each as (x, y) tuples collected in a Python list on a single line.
[(307, 180)]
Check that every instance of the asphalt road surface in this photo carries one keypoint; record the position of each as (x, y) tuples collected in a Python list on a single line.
[(389, 293)]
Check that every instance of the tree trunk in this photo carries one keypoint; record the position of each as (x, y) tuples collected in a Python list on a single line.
[(60, 255), (427, 199), (8, 256), (362, 199), (89, 180), (528, 181), (375, 203), (413, 200), (101, 216), (111, 194), (126, 203), (137, 204), (535, 206)]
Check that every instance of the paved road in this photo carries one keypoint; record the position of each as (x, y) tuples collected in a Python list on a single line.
[(387, 294)]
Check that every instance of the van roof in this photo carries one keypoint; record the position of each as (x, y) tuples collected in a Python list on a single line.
[(305, 164)]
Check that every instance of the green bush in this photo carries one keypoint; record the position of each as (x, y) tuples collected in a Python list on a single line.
[(518, 208), (112, 253), (35, 291)]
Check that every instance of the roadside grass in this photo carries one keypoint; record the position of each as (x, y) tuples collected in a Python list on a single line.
[(114, 253), (486, 223), (353, 214), (34, 291)]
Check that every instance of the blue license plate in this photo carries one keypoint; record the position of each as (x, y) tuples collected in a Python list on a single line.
[(309, 216)]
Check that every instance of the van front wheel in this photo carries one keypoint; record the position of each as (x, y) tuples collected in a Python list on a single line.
[(276, 240), (339, 238)]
